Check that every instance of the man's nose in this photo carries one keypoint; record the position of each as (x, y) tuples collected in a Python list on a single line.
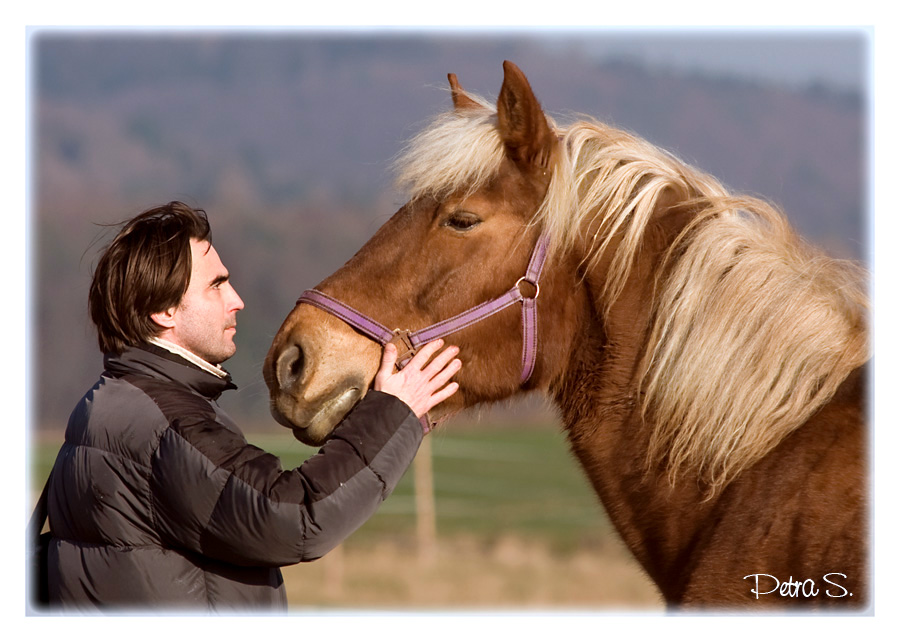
[(237, 303)]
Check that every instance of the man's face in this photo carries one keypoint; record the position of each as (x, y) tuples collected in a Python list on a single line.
[(206, 318)]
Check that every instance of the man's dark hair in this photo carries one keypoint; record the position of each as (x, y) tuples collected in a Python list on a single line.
[(146, 269)]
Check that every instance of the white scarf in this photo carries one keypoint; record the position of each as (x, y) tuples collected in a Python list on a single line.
[(189, 356)]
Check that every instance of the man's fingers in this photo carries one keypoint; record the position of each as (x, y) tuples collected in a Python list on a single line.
[(440, 361), (444, 374), (424, 354), (421, 389), (388, 357), (443, 394)]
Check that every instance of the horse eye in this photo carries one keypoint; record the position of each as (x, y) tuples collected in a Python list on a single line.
[(461, 221)]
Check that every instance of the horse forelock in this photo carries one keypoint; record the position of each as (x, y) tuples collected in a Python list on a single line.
[(751, 330), (457, 152)]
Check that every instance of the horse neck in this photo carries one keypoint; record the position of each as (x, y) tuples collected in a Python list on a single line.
[(598, 399)]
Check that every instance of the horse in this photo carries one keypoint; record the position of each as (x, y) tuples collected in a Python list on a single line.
[(708, 365)]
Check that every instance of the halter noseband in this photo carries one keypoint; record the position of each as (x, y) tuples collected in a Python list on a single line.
[(408, 343)]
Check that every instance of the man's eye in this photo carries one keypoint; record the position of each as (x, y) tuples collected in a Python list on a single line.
[(462, 221)]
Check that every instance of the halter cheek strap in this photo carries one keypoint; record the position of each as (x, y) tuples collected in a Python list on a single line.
[(408, 343)]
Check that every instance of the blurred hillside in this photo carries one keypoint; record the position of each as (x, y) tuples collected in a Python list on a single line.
[(287, 142)]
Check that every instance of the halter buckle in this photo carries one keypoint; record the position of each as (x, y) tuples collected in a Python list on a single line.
[(405, 348)]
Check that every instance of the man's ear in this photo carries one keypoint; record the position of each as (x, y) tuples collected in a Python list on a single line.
[(164, 319)]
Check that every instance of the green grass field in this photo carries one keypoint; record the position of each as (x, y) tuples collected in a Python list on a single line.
[(488, 481)]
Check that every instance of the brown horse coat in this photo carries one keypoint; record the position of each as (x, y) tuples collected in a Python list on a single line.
[(707, 364)]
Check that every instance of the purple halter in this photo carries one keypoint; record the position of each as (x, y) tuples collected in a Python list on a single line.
[(408, 343)]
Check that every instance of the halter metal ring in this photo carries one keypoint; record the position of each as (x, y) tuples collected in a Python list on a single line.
[(537, 287)]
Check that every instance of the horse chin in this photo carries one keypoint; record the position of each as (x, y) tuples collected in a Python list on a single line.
[(439, 415), (312, 426)]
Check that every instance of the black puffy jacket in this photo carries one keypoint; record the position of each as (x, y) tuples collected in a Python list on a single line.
[(157, 500)]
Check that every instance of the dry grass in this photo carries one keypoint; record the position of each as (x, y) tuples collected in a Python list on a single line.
[(468, 574)]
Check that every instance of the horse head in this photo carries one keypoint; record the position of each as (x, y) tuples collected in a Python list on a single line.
[(477, 178)]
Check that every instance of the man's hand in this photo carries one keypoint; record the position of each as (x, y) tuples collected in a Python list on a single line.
[(420, 389)]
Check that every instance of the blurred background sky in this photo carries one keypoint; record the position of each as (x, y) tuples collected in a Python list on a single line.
[(799, 58)]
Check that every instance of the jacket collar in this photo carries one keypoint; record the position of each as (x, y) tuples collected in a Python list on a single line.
[(187, 355), (157, 362)]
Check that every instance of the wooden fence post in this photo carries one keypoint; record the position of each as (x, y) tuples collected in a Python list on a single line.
[(426, 527)]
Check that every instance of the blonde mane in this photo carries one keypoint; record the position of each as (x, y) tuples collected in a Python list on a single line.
[(751, 331)]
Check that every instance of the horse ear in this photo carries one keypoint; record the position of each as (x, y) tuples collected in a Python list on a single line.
[(522, 123), (461, 100)]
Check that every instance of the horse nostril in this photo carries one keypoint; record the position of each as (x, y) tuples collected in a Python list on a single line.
[(289, 366)]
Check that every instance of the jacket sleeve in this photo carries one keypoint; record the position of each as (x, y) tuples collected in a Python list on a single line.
[(215, 494)]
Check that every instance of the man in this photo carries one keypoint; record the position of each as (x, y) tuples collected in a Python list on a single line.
[(156, 500)]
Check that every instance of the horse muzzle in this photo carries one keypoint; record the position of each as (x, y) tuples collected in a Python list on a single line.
[(313, 422), (317, 370)]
